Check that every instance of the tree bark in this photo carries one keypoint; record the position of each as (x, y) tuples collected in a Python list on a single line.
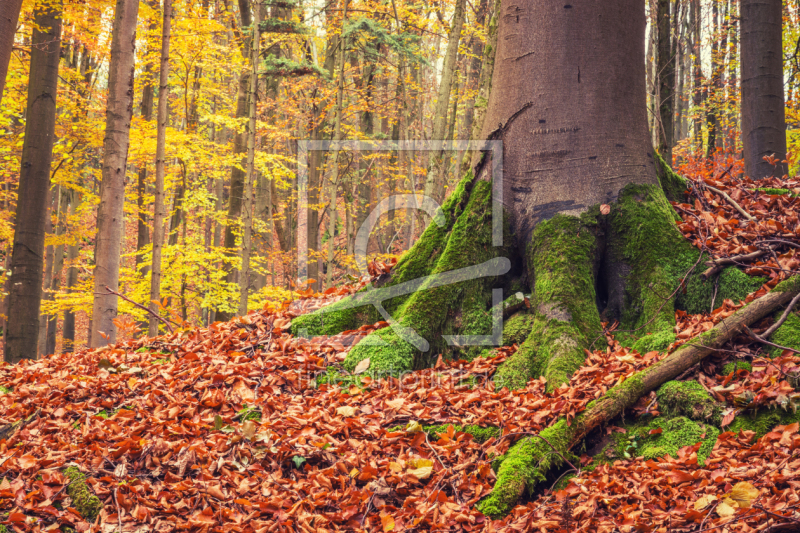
[(68, 333), (119, 110), (159, 213), (567, 144), (666, 81), (25, 293), (247, 212), (763, 109), (9, 16), (698, 88), (58, 266)]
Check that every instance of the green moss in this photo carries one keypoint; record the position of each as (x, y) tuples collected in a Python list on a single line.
[(688, 399), (249, 413), (433, 311), (788, 334), (763, 421), (479, 434), (565, 319), (87, 504), (4, 390), (643, 439), (525, 465), (673, 185), (733, 366), (790, 285), (656, 342), (733, 284), (778, 192)]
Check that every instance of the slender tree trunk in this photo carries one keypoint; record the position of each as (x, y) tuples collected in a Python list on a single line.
[(25, 293), (110, 224), (697, 91), (52, 205), (666, 81), (68, 333), (443, 101), (763, 109), (58, 266), (247, 211), (9, 16), (161, 146), (472, 84)]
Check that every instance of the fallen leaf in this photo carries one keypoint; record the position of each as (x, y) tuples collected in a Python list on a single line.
[(743, 493), (346, 410), (727, 507), (704, 502), (362, 366)]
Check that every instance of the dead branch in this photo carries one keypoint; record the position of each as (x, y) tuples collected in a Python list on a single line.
[(716, 266), (140, 306), (731, 201)]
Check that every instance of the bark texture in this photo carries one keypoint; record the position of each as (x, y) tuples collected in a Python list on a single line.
[(27, 261), (119, 110), (572, 135), (666, 81), (763, 110), (159, 213), (9, 16)]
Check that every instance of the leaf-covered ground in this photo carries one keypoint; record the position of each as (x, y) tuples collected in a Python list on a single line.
[(240, 426)]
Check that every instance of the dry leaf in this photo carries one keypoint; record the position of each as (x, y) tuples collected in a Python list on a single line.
[(413, 427), (362, 366), (727, 507), (704, 502), (249, 429), (605, 209), (743, 493), (346, 411), (387, 522)]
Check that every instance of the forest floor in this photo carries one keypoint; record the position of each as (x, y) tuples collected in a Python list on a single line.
[(242, 427)]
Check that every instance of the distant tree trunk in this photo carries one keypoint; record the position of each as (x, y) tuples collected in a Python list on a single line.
[(119, 110), (247, 212), (58, 266), (472, 83), (666, 81), (25, 293), (443, 103), (161, 147), (711, 98), (68, 333), (763, 110), (9, 16), (236, 190), (52, 202), (142, 229), (697, 91)]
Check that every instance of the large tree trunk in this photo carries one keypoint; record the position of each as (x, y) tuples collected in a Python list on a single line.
[(119, 110), (25, 293), (763, 110), (9, 16), (159, 213)]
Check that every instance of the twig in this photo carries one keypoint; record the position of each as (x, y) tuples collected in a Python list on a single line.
[(119, 512), (716, 265), (795, 520), (731, 201), (782, 319), (140, 306), (765, 341)]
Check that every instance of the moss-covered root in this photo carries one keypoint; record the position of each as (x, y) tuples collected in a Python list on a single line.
[(524, 465), (86, 503), (673, 185), (688, 399), (439, 307), (561, 259)]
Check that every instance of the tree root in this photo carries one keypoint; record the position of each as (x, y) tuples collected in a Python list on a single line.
[(528, 462)]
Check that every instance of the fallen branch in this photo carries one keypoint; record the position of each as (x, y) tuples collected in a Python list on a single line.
[(140, 306), (527, 463), (762, 340), (782, 319), (8, 431), (731, 201), (716, 266)]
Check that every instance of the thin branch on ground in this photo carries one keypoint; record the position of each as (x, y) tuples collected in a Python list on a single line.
[(731, 201)]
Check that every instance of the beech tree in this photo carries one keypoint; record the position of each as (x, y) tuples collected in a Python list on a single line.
[(25, 293), (763, 113), (9, 15), (119, 111), (587, 228)]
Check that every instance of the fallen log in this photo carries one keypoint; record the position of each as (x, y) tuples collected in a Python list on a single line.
[(529, 460), (8, 431)]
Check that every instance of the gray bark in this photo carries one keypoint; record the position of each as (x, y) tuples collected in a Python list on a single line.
[(9, 16), (763, 109), (161, 144), (119, 110)]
